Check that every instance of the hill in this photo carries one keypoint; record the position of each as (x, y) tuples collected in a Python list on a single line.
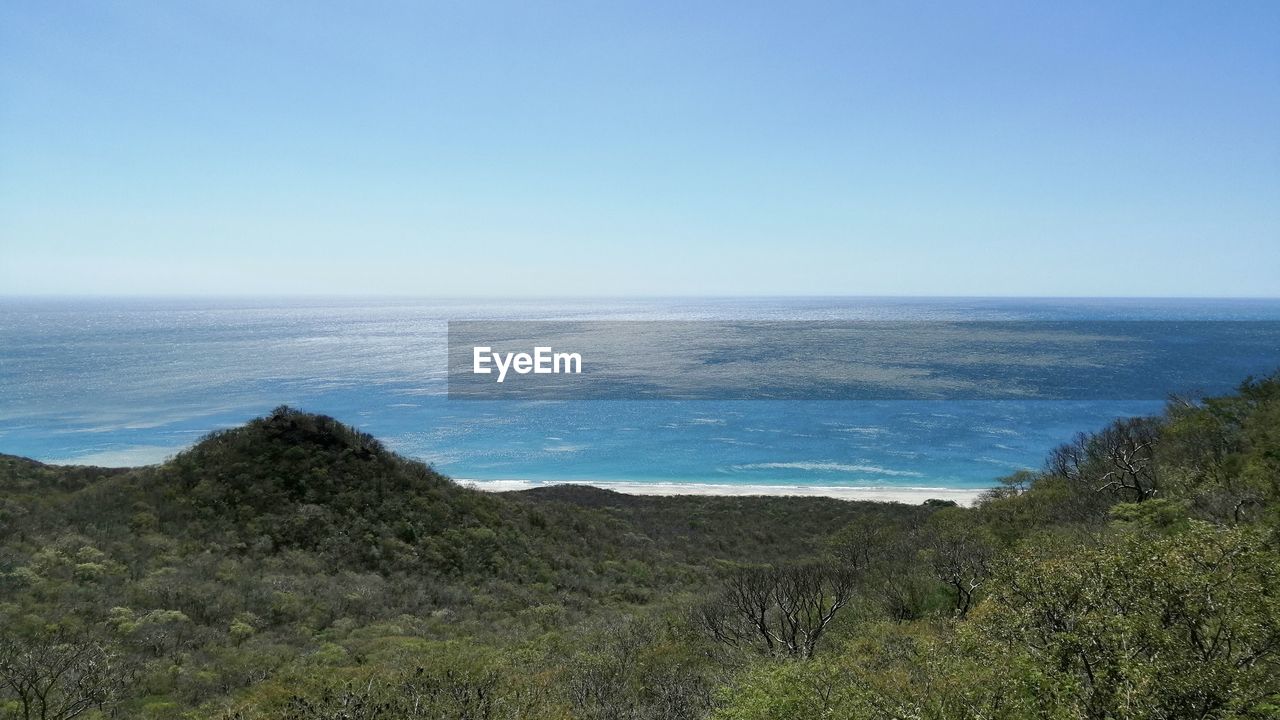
[(296, 568)]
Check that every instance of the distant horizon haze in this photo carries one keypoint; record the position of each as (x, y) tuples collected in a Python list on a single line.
[(355, 296)]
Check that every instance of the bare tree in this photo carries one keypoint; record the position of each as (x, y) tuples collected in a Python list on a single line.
[(883, 557), (1119, 460), (57, 677), (781, 611), (961, 555), (348, 702), (1070, 460)]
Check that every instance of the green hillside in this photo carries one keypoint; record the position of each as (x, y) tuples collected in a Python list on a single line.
[(295, 568)]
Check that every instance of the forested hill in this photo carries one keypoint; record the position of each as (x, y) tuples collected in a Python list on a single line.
[(295, 568)]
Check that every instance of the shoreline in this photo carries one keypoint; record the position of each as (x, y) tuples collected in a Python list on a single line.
[(150, 456), (907, 495)]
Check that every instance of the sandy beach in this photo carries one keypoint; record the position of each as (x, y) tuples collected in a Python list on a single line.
[(908, 495)]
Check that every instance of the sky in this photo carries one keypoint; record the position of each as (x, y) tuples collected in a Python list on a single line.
[(1110, 148)]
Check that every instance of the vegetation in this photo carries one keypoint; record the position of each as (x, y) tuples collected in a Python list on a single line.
[(294, 568)]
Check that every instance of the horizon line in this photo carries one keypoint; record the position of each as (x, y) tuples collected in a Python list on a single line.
[(645, 296)]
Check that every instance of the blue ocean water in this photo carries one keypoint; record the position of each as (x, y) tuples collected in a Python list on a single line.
[(122, 382)]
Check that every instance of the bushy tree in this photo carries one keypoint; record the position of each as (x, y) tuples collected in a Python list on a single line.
[(1147, 625)]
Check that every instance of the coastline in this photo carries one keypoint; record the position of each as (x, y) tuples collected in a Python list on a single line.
[(907, 495), (148, 456)]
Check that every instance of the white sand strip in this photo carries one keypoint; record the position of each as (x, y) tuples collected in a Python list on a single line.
[(908, 495), (136, 456)]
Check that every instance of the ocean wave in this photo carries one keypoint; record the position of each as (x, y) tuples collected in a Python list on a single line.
[(822, 466)]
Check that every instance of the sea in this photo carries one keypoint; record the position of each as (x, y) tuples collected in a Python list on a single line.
[(132, 381)]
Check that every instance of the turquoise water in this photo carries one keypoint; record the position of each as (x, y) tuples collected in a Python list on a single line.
[(121, 382)]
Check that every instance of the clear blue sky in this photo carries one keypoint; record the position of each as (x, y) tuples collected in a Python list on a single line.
[(600, 148)]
